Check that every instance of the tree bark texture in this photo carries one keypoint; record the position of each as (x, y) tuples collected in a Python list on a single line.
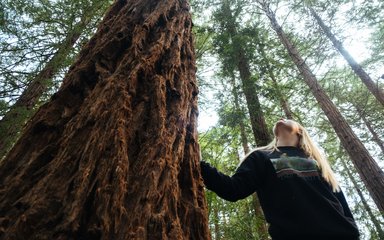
[(114, 153)]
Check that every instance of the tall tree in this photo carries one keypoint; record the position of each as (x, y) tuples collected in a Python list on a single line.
[(262, 228), (373, 87), (114, 153), (15, 118), (241, 61), (267, 69), (369, 171)]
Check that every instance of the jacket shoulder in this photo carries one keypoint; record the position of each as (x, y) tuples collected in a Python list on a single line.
[(262, 153)]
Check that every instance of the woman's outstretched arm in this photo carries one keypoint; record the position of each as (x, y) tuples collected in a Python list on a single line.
[(240, 185)]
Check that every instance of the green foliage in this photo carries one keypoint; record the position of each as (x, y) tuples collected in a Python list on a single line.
[(276, 77)]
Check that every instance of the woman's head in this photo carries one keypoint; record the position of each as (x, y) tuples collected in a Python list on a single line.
[(288, 132)]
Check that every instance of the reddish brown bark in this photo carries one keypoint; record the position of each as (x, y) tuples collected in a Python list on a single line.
[(114, 153), (363, 75), (371, 174)]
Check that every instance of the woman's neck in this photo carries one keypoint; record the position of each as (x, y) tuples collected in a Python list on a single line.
[(287, 143)]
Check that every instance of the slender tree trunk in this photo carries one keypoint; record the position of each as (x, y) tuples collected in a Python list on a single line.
[(375, 137), (216, 223), (363, 75), (368, 169), (261, 225), (258, 124), (13, 121), (243, 135), (364, 201), (114, 153), (283, 101)]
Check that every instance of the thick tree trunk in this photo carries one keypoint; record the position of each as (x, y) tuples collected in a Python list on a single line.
[(261, 225), (114, 153), (13, 121), (372, 217), (368, 169), (365, 78)]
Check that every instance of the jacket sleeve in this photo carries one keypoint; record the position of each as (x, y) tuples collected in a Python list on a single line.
[(241, 184)]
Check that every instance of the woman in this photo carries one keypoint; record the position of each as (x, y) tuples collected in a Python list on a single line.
[(297, 189)]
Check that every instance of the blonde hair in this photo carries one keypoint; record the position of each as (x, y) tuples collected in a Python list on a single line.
[(308, 145)]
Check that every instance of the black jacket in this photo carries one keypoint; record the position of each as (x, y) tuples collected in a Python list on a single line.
[(296, 200)]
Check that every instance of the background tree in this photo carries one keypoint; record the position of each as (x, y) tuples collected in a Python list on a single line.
[(34, 51), (373, 87)]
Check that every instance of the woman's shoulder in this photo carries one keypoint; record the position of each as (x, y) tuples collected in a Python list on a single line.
[(260, 154)]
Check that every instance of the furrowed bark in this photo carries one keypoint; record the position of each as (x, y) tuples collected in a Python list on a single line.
[(114, 153)]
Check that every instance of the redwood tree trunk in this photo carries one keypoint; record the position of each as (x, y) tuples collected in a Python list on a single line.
[(363, 75), (238, 109), (258, 123), (114, 153), (369, 171)]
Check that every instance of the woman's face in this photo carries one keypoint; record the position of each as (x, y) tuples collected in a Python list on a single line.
[(286, 128)]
